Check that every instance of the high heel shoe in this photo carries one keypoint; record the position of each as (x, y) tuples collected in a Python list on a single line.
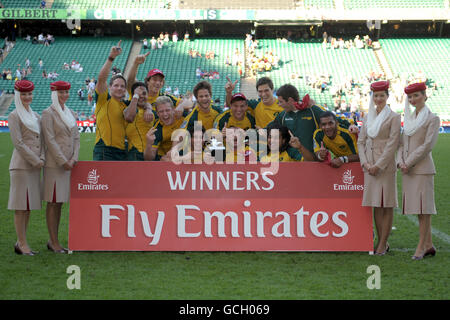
[(430, 252), (17, 250), (417, 257), (63, 250), (384, 252)]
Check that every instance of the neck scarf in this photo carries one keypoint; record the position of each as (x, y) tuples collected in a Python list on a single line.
[(411, 122), (27, 117), (374, 120), (66, 115)]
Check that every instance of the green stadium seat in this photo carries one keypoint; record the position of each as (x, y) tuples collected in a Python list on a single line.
[(90, 52), (407, 56)]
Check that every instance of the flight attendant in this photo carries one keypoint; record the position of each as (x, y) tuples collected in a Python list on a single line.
[(62, 141), (421, 130), (378, 144), (26, 162)]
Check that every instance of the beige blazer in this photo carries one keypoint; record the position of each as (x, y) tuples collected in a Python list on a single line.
[(381, 150), (415, 150), (61, 143), (28, 145)]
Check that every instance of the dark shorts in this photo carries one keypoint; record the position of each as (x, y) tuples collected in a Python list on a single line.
[(135, 155), (106, 153)]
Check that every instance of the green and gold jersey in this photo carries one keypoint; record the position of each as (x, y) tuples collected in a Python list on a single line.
[(303, 123), (197, 114), (344, 144), (163, 134), (109, 120), (136, 131), (262, 113), (226, 117), (291, 154)]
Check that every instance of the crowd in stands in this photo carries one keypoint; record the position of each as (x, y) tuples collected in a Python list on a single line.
[(162, 40), (330, 42), (259, 62), (41, 39)]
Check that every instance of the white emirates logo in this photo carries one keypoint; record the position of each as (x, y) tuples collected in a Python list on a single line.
[(92, 179), (347, 180), (347, 177)]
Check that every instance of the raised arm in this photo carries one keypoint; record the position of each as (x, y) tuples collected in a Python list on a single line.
[(131, 78), (229, 87), (102, 85), (130, 112)]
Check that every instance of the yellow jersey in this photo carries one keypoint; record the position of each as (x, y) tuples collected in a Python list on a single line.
[(109, 120), (344, 144)]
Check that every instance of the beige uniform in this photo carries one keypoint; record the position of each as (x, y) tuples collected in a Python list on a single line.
[(25, 178), (380, 190), (61, 145), (418, 183)]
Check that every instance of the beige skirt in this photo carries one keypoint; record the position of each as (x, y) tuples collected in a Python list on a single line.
[(56, 185), (418, 194), (381, 190), (25, 192)]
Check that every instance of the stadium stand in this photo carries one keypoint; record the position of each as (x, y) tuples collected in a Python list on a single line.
[(180, 68), (89, 4), (393, 4), (309, 58), (428, 57), (237, 4), (325, 4), (89, 52)]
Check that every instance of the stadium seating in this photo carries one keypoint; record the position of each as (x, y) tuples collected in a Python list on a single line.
[(179, 68), (326, 4), (310, 58), (87, 4), (238, 4), (100, 4), (90, 52), (429, 56), (371, 4)]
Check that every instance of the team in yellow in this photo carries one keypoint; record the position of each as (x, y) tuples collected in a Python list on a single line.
[(142, 127)]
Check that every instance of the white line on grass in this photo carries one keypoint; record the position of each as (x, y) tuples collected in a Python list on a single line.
[(413, 249), (441, 235)]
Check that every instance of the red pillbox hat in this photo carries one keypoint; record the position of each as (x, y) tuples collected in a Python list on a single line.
[(379, 86), (24, 86), (414, 87)]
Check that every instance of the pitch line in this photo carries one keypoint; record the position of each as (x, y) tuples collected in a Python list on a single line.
[(441, 235)]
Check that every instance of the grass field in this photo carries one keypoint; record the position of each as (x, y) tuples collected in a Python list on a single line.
[(225, 275)]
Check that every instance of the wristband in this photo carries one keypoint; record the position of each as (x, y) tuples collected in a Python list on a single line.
[(111, 59), (344, 159)]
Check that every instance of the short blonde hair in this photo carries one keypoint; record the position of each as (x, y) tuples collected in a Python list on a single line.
[(163, 100)]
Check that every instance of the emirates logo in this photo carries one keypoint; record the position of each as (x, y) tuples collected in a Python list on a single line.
[(347, 177), (93, 177)]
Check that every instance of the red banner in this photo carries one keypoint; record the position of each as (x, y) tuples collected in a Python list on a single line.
[(160, 206)]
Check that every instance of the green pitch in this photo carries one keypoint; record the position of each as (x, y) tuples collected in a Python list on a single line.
[(224, 275)]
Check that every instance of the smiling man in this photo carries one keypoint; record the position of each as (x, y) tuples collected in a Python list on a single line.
[(204, 110), (237, 116), (301, 116), (336, 139), (159, 138), (264, 109)]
